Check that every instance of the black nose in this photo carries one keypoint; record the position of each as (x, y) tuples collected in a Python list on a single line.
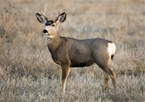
[(45, 31)]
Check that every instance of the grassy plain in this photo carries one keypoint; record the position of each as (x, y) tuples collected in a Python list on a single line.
[(28, 73)]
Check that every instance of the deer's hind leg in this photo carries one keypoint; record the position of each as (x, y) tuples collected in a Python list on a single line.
[(109, 73), (106, 80), (104, 63), (114, 80)]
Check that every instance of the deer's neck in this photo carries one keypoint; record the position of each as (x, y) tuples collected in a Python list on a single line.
[(54, 43)]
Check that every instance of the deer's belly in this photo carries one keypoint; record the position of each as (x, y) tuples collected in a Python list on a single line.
[(82, 64)]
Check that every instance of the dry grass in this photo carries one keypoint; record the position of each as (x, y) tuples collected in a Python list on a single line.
[(27, 72)]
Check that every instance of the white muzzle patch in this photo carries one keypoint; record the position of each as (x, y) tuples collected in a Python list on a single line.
[(50, 30)]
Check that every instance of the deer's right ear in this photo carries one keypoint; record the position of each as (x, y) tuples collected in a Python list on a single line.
[(61, 18), (40, 18)]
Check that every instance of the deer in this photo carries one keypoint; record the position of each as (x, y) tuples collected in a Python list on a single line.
[(70, 52)]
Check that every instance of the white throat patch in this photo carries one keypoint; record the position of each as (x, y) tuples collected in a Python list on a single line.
[(49, 36), (48, 41)]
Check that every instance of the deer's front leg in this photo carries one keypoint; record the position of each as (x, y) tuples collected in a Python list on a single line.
[(65, 73)]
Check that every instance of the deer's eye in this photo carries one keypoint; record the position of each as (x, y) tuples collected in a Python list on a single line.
[(53, 25)]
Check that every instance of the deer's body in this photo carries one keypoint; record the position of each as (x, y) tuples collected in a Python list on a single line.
[(70, 52), (78, 53)]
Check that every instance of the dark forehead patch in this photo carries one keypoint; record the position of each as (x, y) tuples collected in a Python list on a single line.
[(49, 22)]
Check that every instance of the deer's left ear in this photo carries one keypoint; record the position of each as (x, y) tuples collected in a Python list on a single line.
[(61, 18), (41, 18)]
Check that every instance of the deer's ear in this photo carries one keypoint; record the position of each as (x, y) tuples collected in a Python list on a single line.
[(40, 18), (61, 18)]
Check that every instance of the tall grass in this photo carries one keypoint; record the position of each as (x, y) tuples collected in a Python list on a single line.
[(28, 73)]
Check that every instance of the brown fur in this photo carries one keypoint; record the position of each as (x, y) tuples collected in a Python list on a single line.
[(79, 53), (69, 52)]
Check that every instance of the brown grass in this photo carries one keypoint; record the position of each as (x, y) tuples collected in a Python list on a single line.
[(27, 72)]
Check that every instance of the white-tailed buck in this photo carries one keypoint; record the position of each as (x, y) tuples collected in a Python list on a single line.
[(70, 52)]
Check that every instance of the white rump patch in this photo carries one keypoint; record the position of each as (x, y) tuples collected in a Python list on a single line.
[(111, 49)]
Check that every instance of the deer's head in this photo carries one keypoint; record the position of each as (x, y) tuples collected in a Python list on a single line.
[(51, 26)]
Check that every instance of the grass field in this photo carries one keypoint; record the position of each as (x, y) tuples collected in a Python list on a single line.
[(28, 73)]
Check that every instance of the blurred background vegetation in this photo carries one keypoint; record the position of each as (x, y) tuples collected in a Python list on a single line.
[(27, 72)]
